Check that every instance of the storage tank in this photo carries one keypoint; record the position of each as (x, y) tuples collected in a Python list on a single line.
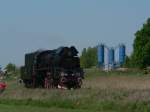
[(111, 56), (101, 54), (122, 53)]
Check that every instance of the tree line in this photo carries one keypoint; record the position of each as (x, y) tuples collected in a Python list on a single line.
[(140, 57), (10, 70), (89, 57)]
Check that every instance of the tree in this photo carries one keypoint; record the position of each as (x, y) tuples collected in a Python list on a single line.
[(83, 58), (141, 46), (12, 69), (89, 57)]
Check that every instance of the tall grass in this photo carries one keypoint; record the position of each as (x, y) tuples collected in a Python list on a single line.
[(101, 91)]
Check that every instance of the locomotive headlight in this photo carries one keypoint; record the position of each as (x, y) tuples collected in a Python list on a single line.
[(62, 74), (78, 74), (65, 74)]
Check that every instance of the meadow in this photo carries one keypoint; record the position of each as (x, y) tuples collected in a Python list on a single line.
[(127, 91)]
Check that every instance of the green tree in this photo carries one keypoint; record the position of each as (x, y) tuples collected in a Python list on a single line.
[(89, 57), (83, 58), (141, 46), (12, 69), (128, 62)]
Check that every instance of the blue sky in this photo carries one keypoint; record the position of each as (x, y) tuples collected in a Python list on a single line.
[(28, 25)]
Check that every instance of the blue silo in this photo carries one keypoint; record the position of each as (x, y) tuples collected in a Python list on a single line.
[(101, 55), (122, 53), (111, 56)]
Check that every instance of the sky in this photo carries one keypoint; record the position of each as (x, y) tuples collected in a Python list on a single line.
[(28, 25)]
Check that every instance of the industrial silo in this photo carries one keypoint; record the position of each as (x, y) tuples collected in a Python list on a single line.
[(101, 55), (111, 56), (122, 53)]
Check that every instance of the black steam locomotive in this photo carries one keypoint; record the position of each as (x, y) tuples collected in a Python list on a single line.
[(59, 68)]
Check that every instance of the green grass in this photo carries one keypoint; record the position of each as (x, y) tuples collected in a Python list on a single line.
[(15, 108), (101, 92), (97, 72), (39, 106)]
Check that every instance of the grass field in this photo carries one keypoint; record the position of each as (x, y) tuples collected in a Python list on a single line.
[(101, 92)]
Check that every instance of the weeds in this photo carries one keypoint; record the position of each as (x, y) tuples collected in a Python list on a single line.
[(100, 92)]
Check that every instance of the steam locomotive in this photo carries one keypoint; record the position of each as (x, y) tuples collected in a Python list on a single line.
[(58, 68)]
